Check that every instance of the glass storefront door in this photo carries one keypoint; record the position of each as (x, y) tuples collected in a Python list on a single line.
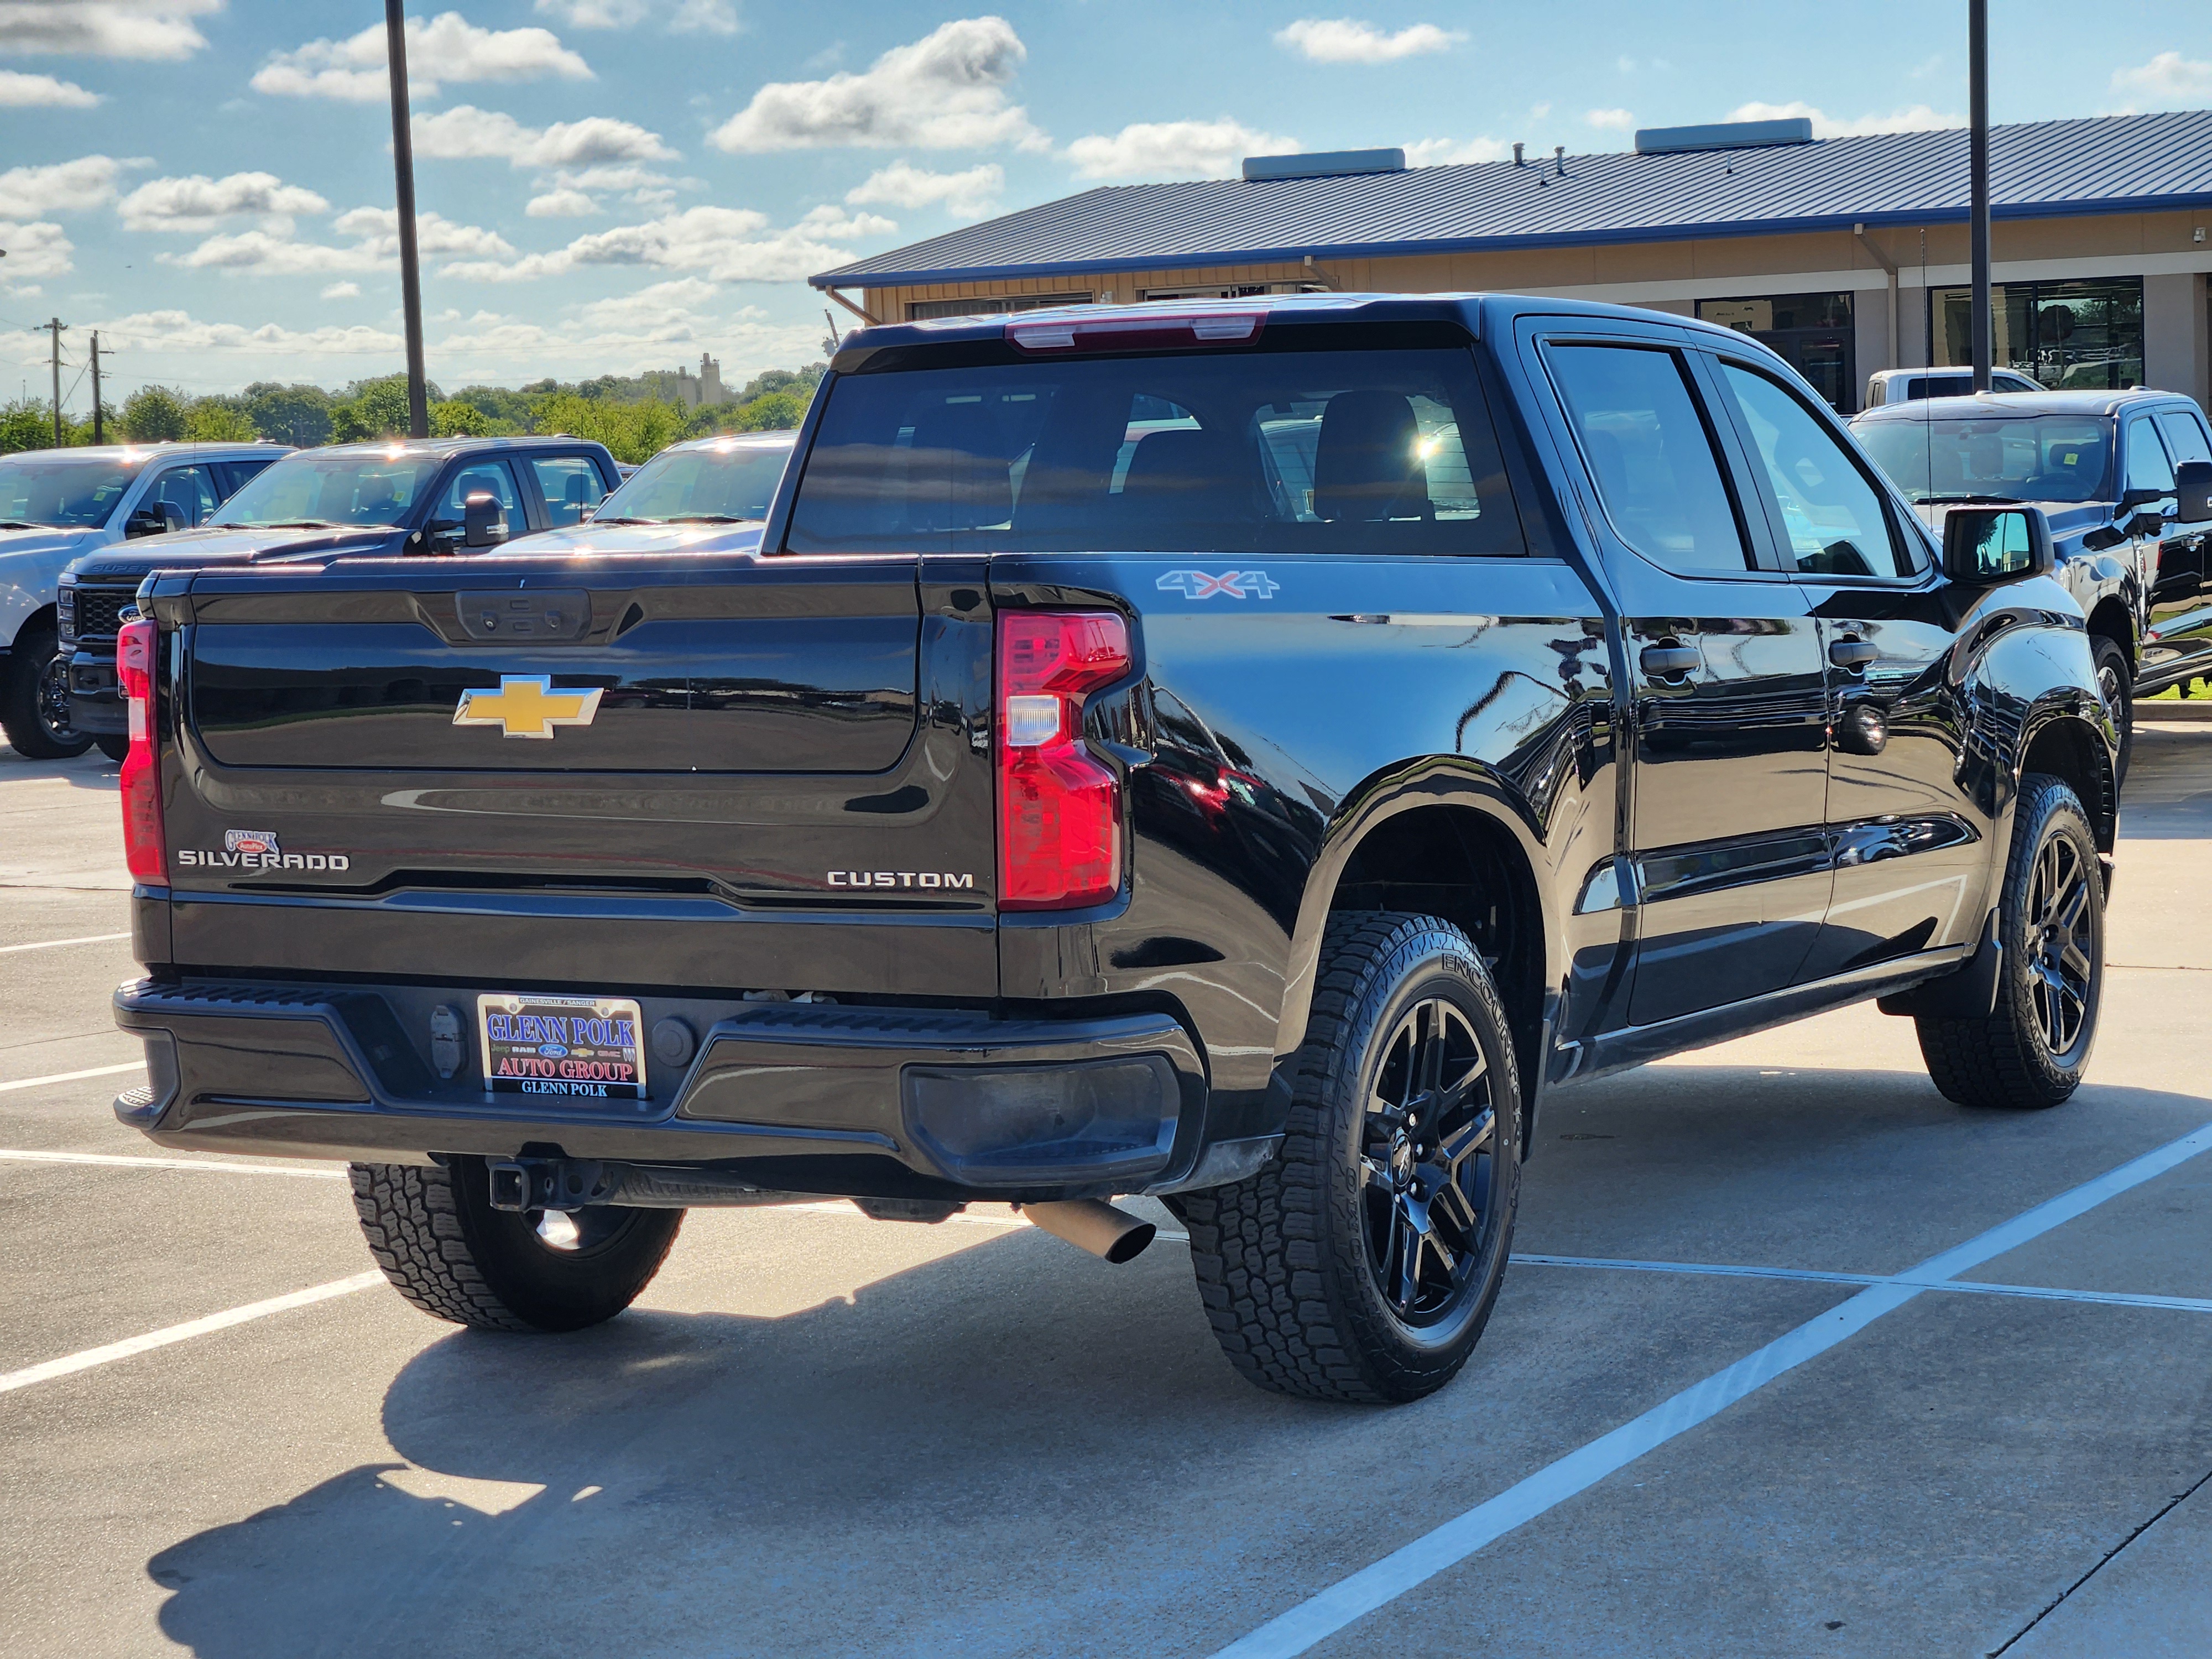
[(2082, 336), (1811, 333)]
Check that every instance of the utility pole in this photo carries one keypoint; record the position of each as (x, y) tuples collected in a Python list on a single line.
[(403, 167), (1977, 98), (99, 428), (56, 328)]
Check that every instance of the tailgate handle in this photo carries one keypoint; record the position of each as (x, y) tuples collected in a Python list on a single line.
[(526, 617)]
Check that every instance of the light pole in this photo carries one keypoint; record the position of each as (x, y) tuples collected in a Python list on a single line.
[(403, 167), (1978, 153)]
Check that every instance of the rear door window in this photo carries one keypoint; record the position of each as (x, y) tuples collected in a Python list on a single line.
[(571, 485), (2185, 435), (1650, 455), (1274, 450)]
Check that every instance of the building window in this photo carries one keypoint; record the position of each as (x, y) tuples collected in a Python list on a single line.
[(2085, 336), (1233, 291), (991, 304), (1811, 333)]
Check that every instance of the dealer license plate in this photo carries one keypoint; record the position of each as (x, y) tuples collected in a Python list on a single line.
[(582, 1048)]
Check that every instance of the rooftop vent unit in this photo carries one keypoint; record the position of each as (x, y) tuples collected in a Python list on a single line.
[(1722, 135), (1325, 164)]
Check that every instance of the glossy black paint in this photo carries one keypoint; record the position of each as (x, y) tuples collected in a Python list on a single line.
[(1809, 809)]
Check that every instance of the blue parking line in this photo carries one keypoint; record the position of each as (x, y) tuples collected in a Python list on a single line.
[(1971, 1286)]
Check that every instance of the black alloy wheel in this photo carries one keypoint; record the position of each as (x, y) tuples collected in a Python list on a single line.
[(2062, 978), (1362, 1263), (1426, 1155), (2032, 1047), (34, 697), (2116, 688)]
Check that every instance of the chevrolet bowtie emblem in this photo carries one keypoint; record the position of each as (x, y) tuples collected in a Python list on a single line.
[(527, 706)]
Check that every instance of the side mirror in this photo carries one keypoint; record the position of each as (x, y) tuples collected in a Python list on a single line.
[(2192, 482), (2140, 495), (2150, 525), (1983, 545), (483, 520), (154, 519)]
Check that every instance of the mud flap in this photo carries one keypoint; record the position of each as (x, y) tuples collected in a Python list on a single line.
[(1967, 992)]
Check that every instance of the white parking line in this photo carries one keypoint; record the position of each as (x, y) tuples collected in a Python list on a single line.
[(70, 1077), (52, 944), (1350, 1599), (306, 1171), (1971, 1286), (69, 1364)]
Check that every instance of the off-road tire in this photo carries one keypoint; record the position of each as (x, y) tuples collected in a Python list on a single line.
[(2117, 685), (34, 731), (2004, 1059), (437, 1238), (1283, 1257)]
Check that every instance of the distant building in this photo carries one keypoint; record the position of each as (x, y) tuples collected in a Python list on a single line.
[(1845, 255), (688, 389)]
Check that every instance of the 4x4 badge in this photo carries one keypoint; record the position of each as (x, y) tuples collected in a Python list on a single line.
[(1237, 584), (527, 706)]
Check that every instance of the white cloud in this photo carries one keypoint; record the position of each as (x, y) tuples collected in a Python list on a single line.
[(36, 249), (1451, 152), (904, 185), (63, 187), (465, 131), (342, 291), (1920, 117), (199, 202), (2169, 75), (684, 17), (1174, 150), (157, 29), (560, 204), (21, 91), (149, 332), (723, 245), (447, 48), (1346, 40), (945, 91), (704, 17), (376, 248), (1611, 120)]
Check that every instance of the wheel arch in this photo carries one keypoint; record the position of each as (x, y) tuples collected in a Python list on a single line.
[(2065, 744), (1442, 837), (2113, 618)]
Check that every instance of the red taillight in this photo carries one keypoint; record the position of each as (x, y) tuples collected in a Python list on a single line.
[(1060, 808), (142, 774)]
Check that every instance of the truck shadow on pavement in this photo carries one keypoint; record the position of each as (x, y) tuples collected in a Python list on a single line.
[(1013, 1445)]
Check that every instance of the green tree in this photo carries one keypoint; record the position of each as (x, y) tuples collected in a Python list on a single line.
[(455, 418), (298, 415), (772, 411), (25, 424), (155, 413), (219, 421), (633, 432), (375, 409)]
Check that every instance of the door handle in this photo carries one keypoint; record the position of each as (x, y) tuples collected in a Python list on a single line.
[(1665, 662), (1854, 654)]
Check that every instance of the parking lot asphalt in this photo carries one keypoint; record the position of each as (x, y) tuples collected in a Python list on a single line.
[(1795, 1358)]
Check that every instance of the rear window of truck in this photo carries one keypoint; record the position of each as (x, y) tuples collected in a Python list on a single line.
[(1276, 451)]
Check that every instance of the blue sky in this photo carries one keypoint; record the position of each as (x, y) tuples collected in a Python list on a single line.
[(611, 185)]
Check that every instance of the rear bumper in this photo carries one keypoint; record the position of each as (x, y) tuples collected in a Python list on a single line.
[(94, 694), (803, 1097)]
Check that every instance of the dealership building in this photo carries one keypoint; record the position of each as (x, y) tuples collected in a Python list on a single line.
[(1845, 255)]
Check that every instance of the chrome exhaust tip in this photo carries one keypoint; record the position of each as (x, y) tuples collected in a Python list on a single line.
[(1112, 1235)]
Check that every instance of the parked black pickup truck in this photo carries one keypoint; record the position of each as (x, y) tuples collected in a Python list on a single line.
[(1248, 753), (406, 497)]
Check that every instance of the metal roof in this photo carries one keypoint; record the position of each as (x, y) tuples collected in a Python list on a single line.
[(2108, 164)]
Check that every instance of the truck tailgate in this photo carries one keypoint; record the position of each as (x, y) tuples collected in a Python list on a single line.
[(499, 767)]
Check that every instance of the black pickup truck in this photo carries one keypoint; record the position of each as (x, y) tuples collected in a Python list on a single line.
[(1248, 753)]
